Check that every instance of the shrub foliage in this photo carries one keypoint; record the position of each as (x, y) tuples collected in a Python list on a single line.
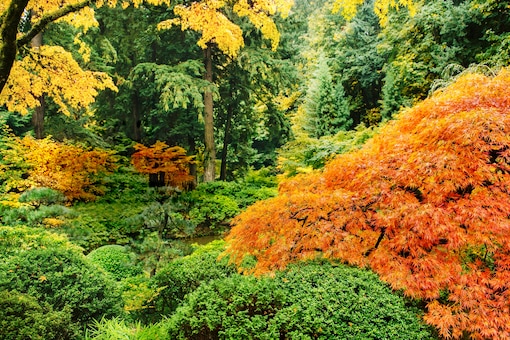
[(310, 301), (56, 275), (425, 204)]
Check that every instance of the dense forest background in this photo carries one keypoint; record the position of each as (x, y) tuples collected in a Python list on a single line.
[(135, 131)]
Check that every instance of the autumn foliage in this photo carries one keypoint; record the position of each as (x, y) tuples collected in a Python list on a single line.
[(425, 204), (169, 163), (67, 168)]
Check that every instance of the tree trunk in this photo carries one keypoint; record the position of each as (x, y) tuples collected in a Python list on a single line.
[(210, 152), (226, 141), (8, 31), (192, 166), (38, 119), (38, 115), (137, 122)]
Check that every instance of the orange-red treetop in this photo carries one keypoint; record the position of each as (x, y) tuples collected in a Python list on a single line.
[(425, 204), (161, 158)]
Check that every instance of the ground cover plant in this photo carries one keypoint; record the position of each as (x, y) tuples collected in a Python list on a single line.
[(424, 204)]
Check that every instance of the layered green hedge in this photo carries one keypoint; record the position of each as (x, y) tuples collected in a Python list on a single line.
[(23, 317)]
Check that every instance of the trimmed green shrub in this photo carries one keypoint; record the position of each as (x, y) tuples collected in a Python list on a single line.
[(307, 301), (212, 211), (64, 279), (61, 278), (115, 260), (185, 274), (22, 317)]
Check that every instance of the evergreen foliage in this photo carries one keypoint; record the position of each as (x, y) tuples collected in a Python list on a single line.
[(305, 153), (309, 301), (23, 317), (213, 205), (326, 103), (56, 276), (184, 275), (115, 260)]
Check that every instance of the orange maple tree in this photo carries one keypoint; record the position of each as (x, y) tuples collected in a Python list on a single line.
[(425, 204), (171, 164), (67, 168)]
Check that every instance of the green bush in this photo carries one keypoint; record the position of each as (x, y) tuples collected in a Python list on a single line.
[(214, 204), (305, 153), (307, 301), (22, 317), (34, 216), (42, 196), (213, 211), (126, 185), (164, 219), (64, 279), (96, 224), (115, 260), (154, 252), (185, 274), (16, 241)]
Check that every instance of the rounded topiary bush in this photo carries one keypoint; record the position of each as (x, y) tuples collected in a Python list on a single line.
[(185, 274), (307, 301), (115, 260), (64, 279), (22, 317)]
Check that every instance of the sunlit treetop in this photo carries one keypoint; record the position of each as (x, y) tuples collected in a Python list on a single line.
[(48, 70), (349, 8), (52, 71), (208, 18)]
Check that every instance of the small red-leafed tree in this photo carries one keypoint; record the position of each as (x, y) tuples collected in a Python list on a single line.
[(425, 204), (165, 165)]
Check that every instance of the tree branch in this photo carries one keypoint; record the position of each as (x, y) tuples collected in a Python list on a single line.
[(9, 22), (381, 236), (49, 18)]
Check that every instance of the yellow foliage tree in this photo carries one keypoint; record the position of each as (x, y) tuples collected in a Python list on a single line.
[(209, 18), (66, 168), (52, 71), (27, 74)]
